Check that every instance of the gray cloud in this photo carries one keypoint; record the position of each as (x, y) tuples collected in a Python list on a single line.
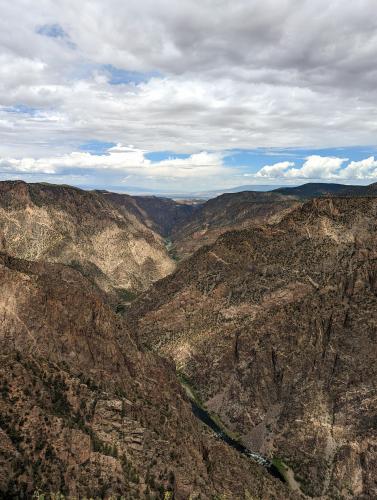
[(234, 74)]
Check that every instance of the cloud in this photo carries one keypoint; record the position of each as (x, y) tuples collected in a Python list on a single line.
[(322, 168), (317, 167), (360, 170), (126, 164), (126, 168), (187, 77), (275, 171)]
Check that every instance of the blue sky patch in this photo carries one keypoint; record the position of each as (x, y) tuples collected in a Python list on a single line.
[(52, 31), (55, 31), (254, 159), (21, 109), (119, 76), (96, 147), (157, 156)]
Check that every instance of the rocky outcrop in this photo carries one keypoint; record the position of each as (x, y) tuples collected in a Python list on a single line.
[(275, 327), (162, 215), (85, 413), (225, 213), (64, 224), (188, 225)]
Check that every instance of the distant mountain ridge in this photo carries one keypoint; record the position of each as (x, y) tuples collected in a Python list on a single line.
[(312, 190)]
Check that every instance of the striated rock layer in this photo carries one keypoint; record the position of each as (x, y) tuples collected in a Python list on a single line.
[(276, 328), (85, 413), (64, 224)]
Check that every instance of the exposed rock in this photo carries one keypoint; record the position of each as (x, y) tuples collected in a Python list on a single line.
[(160, 214), (275, 326), (228, 212), (64, 224), (83, 412)]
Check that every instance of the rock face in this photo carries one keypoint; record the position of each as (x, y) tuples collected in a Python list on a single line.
[(275, 326), (162, 215), (228, 212), (189, 225), (85, 413), (64, 224)]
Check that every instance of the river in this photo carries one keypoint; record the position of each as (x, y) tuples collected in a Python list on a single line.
[(206, 418)]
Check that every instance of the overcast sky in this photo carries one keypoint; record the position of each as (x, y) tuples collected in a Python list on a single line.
[(188, 95)]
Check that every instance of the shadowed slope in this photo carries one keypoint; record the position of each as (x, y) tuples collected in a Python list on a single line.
[(84, 412), (225, 213), (276, 328), (160, 214)]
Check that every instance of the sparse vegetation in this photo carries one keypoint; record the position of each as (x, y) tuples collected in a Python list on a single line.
[(126, 295), (129, 470), (281, 466)]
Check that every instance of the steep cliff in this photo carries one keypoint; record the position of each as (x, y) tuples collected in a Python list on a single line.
[(85, 413), (276, 329), (64, 224), (160, 214), (225, 213)]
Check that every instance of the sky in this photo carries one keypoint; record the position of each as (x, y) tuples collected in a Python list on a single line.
[(188, 96)]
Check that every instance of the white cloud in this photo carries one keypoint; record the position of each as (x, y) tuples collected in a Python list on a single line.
[(275, 171), (360, 170), (322, 168), (127, 163), (128, 166), (301, 84), (317, 167)]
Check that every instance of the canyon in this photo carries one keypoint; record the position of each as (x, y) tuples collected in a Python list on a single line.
[(52, 223), (155, 348), (86, 413), (274, 326)]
